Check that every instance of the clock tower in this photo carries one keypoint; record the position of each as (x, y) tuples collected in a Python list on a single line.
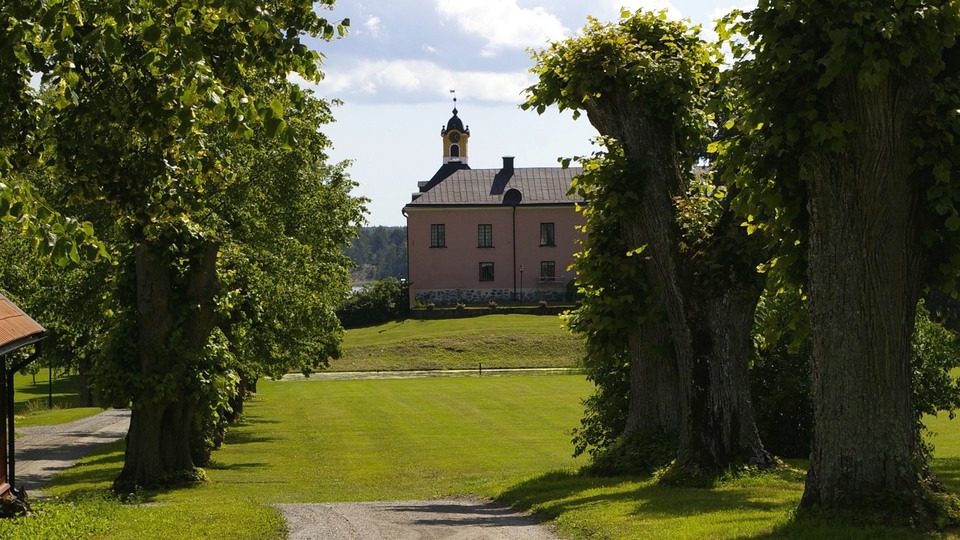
[(455, 139)]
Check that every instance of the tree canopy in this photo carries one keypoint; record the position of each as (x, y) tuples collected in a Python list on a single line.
[(172, 125)]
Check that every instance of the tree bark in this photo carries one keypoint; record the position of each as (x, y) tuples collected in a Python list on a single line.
[(173, 325), (658, 348), (654, 403), (83, 382), (865, 263), (720, 428)]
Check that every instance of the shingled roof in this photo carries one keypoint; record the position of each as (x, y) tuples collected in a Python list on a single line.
[(487, 187), (16, 327)]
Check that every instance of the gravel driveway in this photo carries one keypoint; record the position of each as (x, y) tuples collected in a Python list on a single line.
[(453, 519), (43, 451)]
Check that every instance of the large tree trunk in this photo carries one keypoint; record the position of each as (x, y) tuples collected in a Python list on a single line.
[(654, 404), (709, 329), (719, 428), (658, 347), (163, 415), (865, 264)]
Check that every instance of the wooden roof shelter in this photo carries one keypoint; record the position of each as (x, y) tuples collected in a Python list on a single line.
[(17, 330)]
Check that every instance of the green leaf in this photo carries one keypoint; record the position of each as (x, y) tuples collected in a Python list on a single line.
[(276, 107), (953, 223), (272, 126)]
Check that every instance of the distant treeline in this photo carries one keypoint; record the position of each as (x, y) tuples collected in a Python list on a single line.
[(379, 252)]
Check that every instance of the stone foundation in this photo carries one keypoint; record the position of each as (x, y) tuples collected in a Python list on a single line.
[(449, 297)]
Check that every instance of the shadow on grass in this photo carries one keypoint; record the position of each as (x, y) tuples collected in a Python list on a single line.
[(218, 466), (246, 436), (557, 493), (809, 528), (253, 420), (640, 503), (948, 471), (96, 473), (65, 393), (93, 475)]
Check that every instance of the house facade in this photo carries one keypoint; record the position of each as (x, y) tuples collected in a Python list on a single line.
[(476, 235)]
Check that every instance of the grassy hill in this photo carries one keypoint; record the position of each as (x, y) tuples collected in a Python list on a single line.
[(496, 341)]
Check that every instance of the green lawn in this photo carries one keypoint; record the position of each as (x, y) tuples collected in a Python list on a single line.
[(505, 437), (498, 437), (33, 392), (315, 441), (496, 341), (32, 397)]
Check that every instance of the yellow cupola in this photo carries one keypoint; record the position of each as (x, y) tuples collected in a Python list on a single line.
[(455, 138)]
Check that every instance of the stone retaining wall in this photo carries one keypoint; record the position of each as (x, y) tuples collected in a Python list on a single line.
[(451, 297), (466, 313)]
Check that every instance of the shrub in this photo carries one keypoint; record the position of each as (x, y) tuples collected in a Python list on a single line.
[(780, 374), (634, 455), (376, 303)]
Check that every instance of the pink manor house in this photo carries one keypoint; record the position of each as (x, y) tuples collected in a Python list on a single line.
[(475, 235)]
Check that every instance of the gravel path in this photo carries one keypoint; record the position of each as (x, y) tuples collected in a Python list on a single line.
[(447, 519), (427, 373), (43, 451)]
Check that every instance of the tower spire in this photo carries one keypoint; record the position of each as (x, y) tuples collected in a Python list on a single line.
[(455, 137)]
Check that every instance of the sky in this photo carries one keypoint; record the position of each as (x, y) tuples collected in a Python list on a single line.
[(395, 69)]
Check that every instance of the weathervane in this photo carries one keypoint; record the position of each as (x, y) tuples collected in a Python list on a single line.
[(454, 92)]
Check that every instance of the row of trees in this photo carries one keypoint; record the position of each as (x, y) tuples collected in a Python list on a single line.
[(379, 253), (833, 172), (169, 127)]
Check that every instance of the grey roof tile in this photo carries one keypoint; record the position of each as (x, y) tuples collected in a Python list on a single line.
[(475, 187)]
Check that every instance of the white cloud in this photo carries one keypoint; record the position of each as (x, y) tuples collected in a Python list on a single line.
[(503, 24), (419, 80), (373, 26), (428, 49)]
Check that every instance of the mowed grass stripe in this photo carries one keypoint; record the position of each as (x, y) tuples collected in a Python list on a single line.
[(419, 438)]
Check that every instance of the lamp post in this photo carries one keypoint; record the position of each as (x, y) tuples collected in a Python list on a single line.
[(521, 283)]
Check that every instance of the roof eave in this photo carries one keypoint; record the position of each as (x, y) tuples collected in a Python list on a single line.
[(22, 342)]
